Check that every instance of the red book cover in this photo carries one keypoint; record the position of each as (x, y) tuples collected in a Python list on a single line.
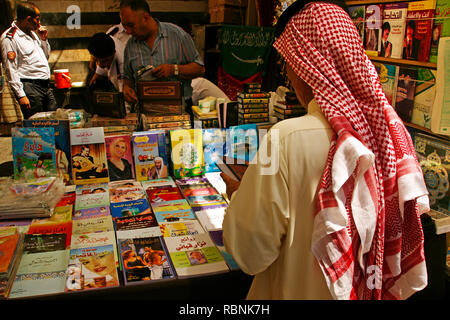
[(419, 25), (158, 194)]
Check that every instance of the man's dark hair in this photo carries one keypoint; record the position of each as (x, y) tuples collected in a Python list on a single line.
[(25, 9), (101, 45), (136, 5), (386, 26)]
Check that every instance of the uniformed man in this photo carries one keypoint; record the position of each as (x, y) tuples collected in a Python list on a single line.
[(25, 52)]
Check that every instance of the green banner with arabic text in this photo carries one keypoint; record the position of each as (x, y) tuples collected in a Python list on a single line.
[(245, 50)]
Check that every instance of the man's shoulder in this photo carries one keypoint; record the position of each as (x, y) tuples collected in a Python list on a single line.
[(9, 33)]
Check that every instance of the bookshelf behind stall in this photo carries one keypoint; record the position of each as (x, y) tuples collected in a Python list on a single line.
[(441, 220)]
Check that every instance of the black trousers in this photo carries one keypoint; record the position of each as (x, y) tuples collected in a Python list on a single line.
[(40, 95), (188, 109)]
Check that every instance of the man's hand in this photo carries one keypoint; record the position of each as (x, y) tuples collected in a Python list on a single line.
[(42, 33), (232, 185), (129, 94), (163, 71), (24, 103)]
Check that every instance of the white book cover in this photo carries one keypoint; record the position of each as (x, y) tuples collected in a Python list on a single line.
[(94, 239), (394, 21)]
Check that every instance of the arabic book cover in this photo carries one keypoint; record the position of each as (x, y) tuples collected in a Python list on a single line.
[(62, 144), (88, 150), (195, 255), (92, 268), (145, 259), (33, 151)]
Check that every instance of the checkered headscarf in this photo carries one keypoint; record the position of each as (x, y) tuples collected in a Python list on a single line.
[(367, 233)]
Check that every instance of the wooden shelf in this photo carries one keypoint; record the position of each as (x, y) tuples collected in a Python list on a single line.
[(404, 62), (415, 126)]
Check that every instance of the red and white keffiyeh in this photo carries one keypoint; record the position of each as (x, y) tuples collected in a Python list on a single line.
[(367, 233)]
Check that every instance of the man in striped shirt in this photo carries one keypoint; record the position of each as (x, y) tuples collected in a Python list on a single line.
[(165, 46)]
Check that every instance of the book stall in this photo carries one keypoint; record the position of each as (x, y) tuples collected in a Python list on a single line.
[(97, 203), (121, 200)]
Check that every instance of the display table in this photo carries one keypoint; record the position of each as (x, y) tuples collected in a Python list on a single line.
[(232, 285)]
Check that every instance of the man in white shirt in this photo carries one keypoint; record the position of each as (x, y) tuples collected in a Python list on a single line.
[(25, 51)]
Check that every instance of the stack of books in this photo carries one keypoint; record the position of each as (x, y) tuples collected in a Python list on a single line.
[(253, 104), (168, 122), (289, 108)]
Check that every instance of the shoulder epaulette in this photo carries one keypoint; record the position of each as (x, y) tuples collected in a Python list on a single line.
[(11, 32), (113, 31)]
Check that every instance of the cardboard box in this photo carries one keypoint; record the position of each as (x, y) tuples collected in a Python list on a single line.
[(227, 14)]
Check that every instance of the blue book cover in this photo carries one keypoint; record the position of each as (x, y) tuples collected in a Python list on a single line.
[(174, 210), (150, 157), (33, 152), (242, 142), (145, 259), (213, 147), (130, 208), (62, 143)]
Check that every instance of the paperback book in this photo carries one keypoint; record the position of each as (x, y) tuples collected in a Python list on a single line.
[(424, 97), (173, 210), (195, 255), (33, 151), (90, 196), (419, 25), (213, 147), (91, 213), (40, 273), (89, 163), (394, 24), (95, 239), (91, 268), (358, 16), (388, 75), (62, 144), (161, 194), (217, 238), (163, 182), (130, 208), (119, 157), (44, 242), (98, 224), (406, 86), (150, 155), (372, 36), (140, 226), (441, 27), (187, 153), (242, 142), (145, 259)]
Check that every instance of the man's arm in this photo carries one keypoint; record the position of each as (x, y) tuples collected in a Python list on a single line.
[(9, 58), (185, 71)]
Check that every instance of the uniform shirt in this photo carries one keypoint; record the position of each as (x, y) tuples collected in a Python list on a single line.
[(120, 34), (269, 222), (115, 71), (172, 46), (24, 57)]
